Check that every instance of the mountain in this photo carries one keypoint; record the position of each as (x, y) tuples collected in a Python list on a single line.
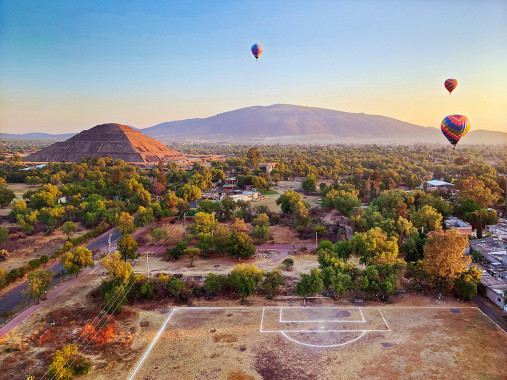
[(36, 136), (299, 124), (115, 140)]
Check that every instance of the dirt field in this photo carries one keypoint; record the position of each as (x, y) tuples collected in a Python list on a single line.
[(32, 247), (392, 343)]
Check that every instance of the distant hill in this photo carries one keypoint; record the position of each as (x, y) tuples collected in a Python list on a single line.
[(285, 123), (115, 140), (36, 136), (298, 124)]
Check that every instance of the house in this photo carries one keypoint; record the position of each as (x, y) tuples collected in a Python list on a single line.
[(246, 196), (492, 249), (495, 290), (438, 185), (461, 227), (498, 230), (269, 166)]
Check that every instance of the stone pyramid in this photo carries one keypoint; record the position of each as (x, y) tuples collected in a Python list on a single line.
[(115, 140)]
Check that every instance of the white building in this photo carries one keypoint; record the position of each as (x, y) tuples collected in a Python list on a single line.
[(461, 227), (438, 185)]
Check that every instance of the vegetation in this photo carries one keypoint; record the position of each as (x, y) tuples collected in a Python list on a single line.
[(38, 283), (64, 366), (77, 259)]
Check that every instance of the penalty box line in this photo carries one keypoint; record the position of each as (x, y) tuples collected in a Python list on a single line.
[(261, 329), (321, 320)]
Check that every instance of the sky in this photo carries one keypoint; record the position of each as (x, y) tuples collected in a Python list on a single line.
[(69, 65)]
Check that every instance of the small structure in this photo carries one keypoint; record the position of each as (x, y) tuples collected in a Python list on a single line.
[(40, 166), (498, 230), (461, 227), (269, 166), (438, 185), (495, 290)]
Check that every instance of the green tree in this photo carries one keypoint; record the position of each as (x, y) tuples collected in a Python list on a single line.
[(205, 243), (343, 249), (240, 245), (212, 284), (116, 268), (177, 288), (245, 279), (6, 196), (3, 278), (178, 250), (310, 283), (189, 193), (4, 235), (310, 183), (428, 218), (192, 253), (204, 223), (272, 281), (288, 263), (39, 282), (116, 298), (375, 247), (125, 223), (69, 228), (261, 234), (127, 246), (340, 283), (77, 259)]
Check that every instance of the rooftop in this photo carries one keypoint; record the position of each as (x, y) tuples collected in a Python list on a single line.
[(438, 183)]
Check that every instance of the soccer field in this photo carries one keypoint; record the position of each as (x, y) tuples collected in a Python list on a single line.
[(325, 343)]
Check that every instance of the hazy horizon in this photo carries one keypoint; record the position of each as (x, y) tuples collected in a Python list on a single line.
[(70, 66)]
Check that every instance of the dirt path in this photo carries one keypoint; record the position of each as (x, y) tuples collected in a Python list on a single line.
[(344, 221)]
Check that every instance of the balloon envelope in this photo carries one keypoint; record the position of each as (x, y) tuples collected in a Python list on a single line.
[(450, 84), (256, 50), (454, 127)]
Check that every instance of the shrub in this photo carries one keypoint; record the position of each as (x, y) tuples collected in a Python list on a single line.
[(147, 290), (177, 288), (4, 255), (179, 250), (44, 259), (158, 234), (35, 263), (272, 281), (288, 263), (212, 284)]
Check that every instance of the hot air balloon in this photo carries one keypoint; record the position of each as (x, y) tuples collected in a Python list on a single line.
[(454, 127), (450, 85), (256, 50)]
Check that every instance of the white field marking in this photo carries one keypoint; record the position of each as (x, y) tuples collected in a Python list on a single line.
[(323, 346), (505, 332), (323, 320), (322, 331), (152, 344), (262, 320), (383, 318)]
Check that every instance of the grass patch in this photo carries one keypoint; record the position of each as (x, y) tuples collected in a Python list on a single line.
[(268, 192)]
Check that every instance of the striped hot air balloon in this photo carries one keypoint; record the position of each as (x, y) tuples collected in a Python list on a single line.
[(256, 50), (450, 85), (454, 127)]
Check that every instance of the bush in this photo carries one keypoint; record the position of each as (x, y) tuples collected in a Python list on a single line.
[(115, 299), (147, 290), (178, 251), (212, 284), (288, 263), (272, 281), (44, 259), (177, 289), (4, 255), (158, 234), (35, 263)]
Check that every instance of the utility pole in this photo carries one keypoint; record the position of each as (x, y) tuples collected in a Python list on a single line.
[(148, 263), (316, 242), (109, 243)]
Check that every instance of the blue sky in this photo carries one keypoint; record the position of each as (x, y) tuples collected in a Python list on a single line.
[(68, 65)]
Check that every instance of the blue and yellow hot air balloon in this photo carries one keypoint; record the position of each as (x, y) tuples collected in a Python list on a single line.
[(256, 50), (454, 127)]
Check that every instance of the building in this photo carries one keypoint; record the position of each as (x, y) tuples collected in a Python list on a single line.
[(498, 230), (438, 185), (461, 227), (492, 249), (246, 196), (495, 290), (269, 166)]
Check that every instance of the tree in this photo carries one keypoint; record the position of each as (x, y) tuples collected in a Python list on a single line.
[(221, 240), (4, 235), (38, 283), (245, 279), (444, 258), (6, 196), (178, 250), (240, 245), (189, 193), (253, 156), (205, 243), (340, 283), (272, 281), (4, 254), (192, 253), (170, 200), (116, 268), (69, 228), (343, 249), (77, 259), (239, 225), (125, 223), (127, 246), (428, 218), (212, 284), (374, 247), (176, 288), (288, 263), (288, 201), (309, 284), (309, 183), (204, 223), (261, 220), (466, 284), (380, 280), (116, 298), (64, 367), (261, 234)]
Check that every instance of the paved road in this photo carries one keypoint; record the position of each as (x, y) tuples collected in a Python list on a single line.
[(492, 311), (14, 300)]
